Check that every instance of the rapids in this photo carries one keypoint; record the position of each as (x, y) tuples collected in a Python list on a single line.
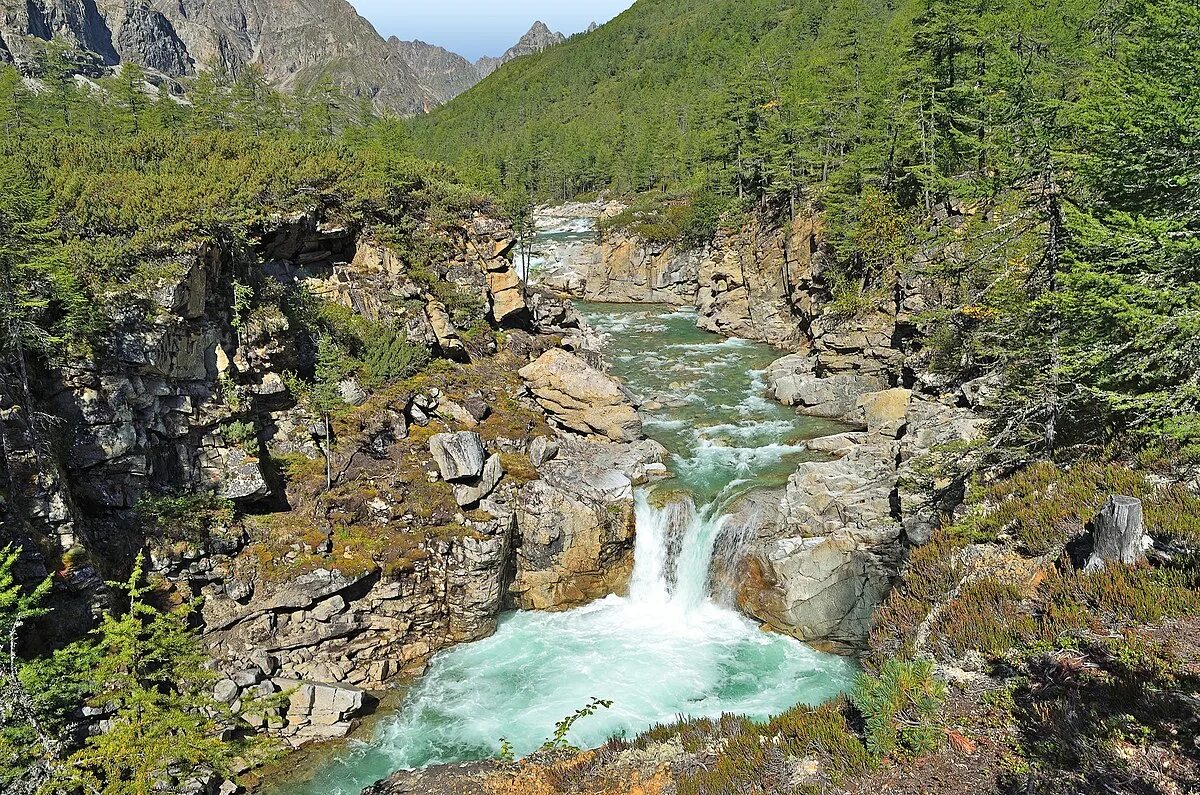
[(669, 648)]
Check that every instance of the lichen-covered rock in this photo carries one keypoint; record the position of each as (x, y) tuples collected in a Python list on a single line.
[(581, 398), (794, 382), (575, 526), (884, 413), (460, 456)]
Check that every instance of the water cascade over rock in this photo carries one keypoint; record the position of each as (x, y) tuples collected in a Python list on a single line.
[(670, 646)]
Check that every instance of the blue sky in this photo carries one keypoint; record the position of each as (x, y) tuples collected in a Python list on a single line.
[(477, 27)]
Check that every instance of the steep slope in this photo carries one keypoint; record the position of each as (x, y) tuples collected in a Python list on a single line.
[(620, 106), (445, 74), (295, 42)]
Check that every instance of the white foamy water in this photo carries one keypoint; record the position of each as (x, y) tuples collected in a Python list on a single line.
[(665, 650), (668, 648)]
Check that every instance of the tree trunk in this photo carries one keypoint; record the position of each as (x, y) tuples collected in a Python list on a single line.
[(1119, 534)]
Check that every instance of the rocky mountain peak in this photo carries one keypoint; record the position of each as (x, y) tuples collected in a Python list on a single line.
[(540, 37), (295, 43)]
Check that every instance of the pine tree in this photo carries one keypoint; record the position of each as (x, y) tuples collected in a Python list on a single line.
[(56, 65), (129, 94), (165, 724), (29, 748)]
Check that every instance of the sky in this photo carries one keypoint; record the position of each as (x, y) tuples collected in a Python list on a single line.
[(474, 28)]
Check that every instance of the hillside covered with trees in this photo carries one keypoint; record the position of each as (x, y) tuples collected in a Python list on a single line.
[(1037, 160)]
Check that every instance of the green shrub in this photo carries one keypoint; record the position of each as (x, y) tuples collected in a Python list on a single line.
[(901, 707), (242, 434), (184, 517), (389, 357)]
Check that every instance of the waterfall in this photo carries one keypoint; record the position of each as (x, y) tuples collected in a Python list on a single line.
[(671, 647), (673, 552)]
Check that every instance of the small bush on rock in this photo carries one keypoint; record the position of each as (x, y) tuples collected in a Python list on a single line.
[(901, 707)]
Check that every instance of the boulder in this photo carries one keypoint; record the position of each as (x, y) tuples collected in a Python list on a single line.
[(318, 711), (581, 398), (457, 413), (508, 299), (821, 590), (477, 406), (794, 382), (542, 450), (460, 457), (470, 494), (242, 477), (573, 548), (443, 329), (351, 393), (819, 571)]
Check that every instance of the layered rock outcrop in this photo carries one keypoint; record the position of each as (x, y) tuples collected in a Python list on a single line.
[(582, 399), (576, 525), (373, 543), (820, 570)]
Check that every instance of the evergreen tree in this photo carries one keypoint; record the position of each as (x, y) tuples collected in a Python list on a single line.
[(129, 94), (29, 748), (1130, 290), (56, 65), (165, 725)]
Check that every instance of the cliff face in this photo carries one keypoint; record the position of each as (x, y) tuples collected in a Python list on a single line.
[(332, 549), (295, 42)]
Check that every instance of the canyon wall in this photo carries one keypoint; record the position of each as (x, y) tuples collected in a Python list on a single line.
[(333, 540), (818, 563)]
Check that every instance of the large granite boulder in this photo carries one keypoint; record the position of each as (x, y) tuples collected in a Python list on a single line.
[(460, 456), (819, 571), (794, 382), (822, 590), (581, 398), (574, 548)]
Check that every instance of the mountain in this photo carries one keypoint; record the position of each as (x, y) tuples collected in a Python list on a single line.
[(446, 74), (443, 73), (295, 42), (538, 39)]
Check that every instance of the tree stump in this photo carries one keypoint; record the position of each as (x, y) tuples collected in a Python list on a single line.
[(1119, 534)]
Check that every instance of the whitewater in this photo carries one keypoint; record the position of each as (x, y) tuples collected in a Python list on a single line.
[(670, 647)]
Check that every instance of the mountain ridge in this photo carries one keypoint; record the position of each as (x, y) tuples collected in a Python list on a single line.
[(296, 43)]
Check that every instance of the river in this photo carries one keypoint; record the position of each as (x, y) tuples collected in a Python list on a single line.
[(670, 647)]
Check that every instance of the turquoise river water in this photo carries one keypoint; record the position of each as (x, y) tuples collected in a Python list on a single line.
[(669, 648)]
